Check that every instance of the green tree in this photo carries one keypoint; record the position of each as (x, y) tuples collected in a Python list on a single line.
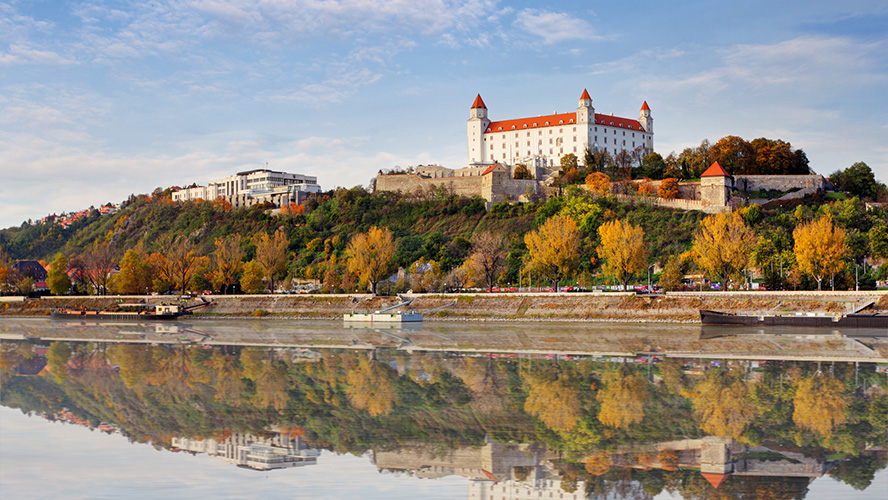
[(58, 281), (57, 357), (521, 172), (653, 166), (856, 180)]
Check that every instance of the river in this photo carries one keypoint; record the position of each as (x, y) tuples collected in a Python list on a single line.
[(319, 409)]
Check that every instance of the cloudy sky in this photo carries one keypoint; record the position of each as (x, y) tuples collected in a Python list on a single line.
[(101, 99)]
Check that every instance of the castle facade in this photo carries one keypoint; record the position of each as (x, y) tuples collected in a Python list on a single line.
[(545, 139)]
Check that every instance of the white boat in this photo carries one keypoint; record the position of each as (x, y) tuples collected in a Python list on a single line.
[(384, 317)]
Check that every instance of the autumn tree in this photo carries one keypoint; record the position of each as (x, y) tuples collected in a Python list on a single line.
[(57, 358), (372, 256), (622, 398), (369, 387), (425, 275), (58, 281), (227, 261), (668, 189), (723, 246), (598, 463), (820, 248), (251, 279), (554, 398), (553, 249), (489, 252), (183, 259), (272, 255), (598, 183), (819, 404), (99, 266), (734, 154), (622, 249), (722, 402), (670, 278), (135, 274), (521, 172)]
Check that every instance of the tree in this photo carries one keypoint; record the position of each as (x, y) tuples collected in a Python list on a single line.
[(489, 254), (856, 180), (598, 463), (251, 280), (58, 281), (734, 154), (653, 166), (622, 249), (622, 398), (135, 273), (668, 189), (227, 261), (57, 358), (183, 259), (723, 246), (569, 162), (722, 403), (372, 255), (99, 266), (820, 248), (272, 255), (598, 183), (521, 172), (554, 399), (369, 387), (670, 279), (553, 248), (819, 404)]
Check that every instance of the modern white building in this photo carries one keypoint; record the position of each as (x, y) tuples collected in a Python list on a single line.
[(259, 183), (547, 138), (254, 452)]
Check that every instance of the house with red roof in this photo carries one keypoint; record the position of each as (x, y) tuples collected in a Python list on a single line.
[(546, 138)]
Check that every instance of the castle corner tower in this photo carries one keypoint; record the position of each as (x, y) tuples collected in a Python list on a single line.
[(477, 124)]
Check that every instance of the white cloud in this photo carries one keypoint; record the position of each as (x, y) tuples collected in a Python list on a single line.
[(554, 27)]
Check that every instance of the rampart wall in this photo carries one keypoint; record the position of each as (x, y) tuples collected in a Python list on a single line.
[(778, 182), (410, 183)]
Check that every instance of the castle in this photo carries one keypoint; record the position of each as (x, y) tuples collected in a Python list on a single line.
[(545, 139)]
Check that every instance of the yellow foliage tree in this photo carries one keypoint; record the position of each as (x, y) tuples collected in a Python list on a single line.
[(251, 280), (622, 398), (820, 248), (723, 246), (272, 255), (819, 404), (369, 387), (372, 255), (227, 261), (553, 248), (598, 183), (722, 403), (622, 249), (598, 463), (135, 273), (553, 399)]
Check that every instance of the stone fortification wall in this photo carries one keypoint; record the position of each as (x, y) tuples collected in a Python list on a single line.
[(506, 189), (778, 182), (410, 183), (680, 204)]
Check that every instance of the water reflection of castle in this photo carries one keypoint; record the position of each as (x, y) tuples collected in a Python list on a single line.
[(279, 451), (499, 471)]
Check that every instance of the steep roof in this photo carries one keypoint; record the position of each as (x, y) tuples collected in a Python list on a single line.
[(490, 168), (645, 107), (715, 480), (585, 95), (561, 120), (715, 170), (479, 103)]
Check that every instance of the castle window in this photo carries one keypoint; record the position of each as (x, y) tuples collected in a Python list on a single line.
[(513, 127), (560, 122), (534, 124), (547, 124), (525, 125), (500, 128), (596, 129), (571, 120)]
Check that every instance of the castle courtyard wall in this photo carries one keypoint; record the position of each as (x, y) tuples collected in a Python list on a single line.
[(410, 183), (778, 182)]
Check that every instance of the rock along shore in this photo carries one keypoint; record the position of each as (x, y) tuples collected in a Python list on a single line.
[(674, 307)]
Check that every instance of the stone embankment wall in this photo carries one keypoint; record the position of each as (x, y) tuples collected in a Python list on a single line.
[(673, 307)]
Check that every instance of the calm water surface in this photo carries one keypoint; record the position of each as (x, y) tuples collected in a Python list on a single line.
[(283, 409)]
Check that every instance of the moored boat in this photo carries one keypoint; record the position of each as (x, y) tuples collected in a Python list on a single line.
[(853, 320), (135, 312)]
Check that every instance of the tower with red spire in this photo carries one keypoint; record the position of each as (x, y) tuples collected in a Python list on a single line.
[(477, 124)]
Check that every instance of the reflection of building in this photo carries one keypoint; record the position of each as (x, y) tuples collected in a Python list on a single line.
[(254, 452), (493, 461), (524, 490)]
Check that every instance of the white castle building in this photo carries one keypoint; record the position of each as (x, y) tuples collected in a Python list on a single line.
[(543, 140), (254, 186)]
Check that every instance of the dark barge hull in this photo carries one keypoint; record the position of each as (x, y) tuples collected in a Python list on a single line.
[(116, 316), (872, 320)]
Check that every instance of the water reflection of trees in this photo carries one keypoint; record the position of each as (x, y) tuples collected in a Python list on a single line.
[(603, 420)]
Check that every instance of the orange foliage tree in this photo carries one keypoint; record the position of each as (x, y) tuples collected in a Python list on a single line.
[(668, 189), (598, 183)]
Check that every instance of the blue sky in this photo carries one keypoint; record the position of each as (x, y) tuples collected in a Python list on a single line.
[(106, 98)]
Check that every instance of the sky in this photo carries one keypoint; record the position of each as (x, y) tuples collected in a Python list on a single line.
[(103, 99)]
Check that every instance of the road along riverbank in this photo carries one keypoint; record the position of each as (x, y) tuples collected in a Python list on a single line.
[(677, 307)]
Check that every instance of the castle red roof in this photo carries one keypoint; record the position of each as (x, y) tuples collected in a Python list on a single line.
[(645, 107), (478, 103), (715, 170), (561, 119), (490, 169), (585, 95)]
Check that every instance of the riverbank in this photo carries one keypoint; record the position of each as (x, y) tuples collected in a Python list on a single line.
[(677, 307)]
